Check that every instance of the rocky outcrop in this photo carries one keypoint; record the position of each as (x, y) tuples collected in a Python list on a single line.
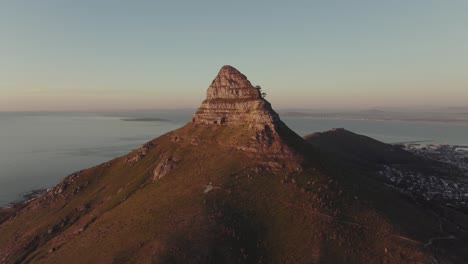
[(231, 84), (165, 166), (232, 100), (140, 153)]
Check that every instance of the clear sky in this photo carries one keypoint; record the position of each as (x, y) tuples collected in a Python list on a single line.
[(96, 55)]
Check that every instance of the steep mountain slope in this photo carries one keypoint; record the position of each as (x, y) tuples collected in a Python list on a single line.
[(234, 185)]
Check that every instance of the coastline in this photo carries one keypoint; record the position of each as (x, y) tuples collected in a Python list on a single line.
[(450, 151), (428, 120), (8, 210)]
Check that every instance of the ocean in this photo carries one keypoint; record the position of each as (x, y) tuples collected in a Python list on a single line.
[(38, 149)]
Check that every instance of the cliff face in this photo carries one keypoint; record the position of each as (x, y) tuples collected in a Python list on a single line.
[(231, 84), (232, 100)]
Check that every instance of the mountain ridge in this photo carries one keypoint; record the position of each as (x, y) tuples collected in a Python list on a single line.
[(246, 190)]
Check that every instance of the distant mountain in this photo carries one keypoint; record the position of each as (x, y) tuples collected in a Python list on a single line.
[(234, 185), (359, 149), (363, 153), (375, 114), (145, 119)]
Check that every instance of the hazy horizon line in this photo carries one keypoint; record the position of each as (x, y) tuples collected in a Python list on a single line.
[(329, 108)]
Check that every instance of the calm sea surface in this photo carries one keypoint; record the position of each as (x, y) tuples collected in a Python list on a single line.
[(38, 149)]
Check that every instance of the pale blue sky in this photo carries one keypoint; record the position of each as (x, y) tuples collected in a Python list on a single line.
[(88, 55)]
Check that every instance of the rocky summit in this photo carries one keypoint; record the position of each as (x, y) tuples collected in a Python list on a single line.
[(231, 99), (233, 102)]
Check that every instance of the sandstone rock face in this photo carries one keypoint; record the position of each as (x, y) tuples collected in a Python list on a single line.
[(231, 84), (232, 100)]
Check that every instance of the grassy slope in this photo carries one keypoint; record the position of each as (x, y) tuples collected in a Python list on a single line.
[(359, 157), (367, 153), (318, 215)]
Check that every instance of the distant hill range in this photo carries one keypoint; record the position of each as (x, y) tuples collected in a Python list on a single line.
[(236, 185), (432, 115), (143, 119)]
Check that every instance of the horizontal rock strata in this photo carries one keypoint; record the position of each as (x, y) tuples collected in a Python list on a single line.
[(231, 99)]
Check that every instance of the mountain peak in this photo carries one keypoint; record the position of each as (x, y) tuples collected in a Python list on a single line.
[(232, 100), (232, 84)]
